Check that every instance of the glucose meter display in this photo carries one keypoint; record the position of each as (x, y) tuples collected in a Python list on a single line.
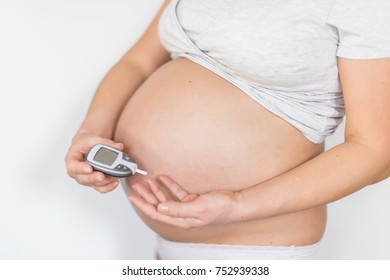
[(106, 156)]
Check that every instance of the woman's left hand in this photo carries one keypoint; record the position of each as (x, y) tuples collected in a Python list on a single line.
[(188, 211)]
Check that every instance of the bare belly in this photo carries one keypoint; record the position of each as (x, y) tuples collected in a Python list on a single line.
[(189, 123)]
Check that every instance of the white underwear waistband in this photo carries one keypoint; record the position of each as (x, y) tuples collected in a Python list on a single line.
[(169, 250)]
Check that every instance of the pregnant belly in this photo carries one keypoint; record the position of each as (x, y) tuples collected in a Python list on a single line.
[(189, 123)]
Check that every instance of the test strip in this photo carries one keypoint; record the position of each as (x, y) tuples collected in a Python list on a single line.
[(141, 172)]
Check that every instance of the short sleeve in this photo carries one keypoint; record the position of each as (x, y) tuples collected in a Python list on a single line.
[(363, 27)]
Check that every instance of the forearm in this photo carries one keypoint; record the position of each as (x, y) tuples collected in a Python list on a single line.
[(114, 91), (328, 177)]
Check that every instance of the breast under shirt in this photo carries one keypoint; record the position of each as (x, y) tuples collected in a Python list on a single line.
[(283, 54)]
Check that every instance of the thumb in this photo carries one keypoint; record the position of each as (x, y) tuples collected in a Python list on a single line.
[(119, 146), (113, 144)]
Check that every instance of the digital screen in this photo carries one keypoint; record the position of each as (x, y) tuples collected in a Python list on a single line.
[(105, 156)]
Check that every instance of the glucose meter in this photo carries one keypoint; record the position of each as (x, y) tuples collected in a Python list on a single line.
[(112, 162)]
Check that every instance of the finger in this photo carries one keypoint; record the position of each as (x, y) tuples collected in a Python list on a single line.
[(110, 143), (180, 209), (75, 167), (75, 164), (106, 188), (113, 144), (155, 188), (92, 141), (95, 179), (151, 211), (146, 194), (175, 189)]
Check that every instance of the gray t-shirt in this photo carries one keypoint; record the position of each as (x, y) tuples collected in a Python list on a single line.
[(282, 53)]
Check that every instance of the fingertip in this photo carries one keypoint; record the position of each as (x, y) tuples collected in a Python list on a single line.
[(165, 179), (150, 181), (114, 184), (87, 169), (119, 146), (97, 176), (162, 207), (135, 188)]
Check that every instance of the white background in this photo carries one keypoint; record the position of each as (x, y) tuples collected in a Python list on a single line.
[(53, 54)]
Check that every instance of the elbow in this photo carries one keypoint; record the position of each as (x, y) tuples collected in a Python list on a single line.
[(381, 155), (376, 155), (384, 172), (380, 164)]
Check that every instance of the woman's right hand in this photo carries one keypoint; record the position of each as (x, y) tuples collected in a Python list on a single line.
[(81, 171)]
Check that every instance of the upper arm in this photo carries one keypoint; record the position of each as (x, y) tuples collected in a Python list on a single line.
[(148, 53), (366, 87)]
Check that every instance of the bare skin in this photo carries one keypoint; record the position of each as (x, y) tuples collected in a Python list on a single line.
[(191, 124), (237, 174)]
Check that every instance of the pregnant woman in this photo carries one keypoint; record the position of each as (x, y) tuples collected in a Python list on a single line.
[(227, 104)]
